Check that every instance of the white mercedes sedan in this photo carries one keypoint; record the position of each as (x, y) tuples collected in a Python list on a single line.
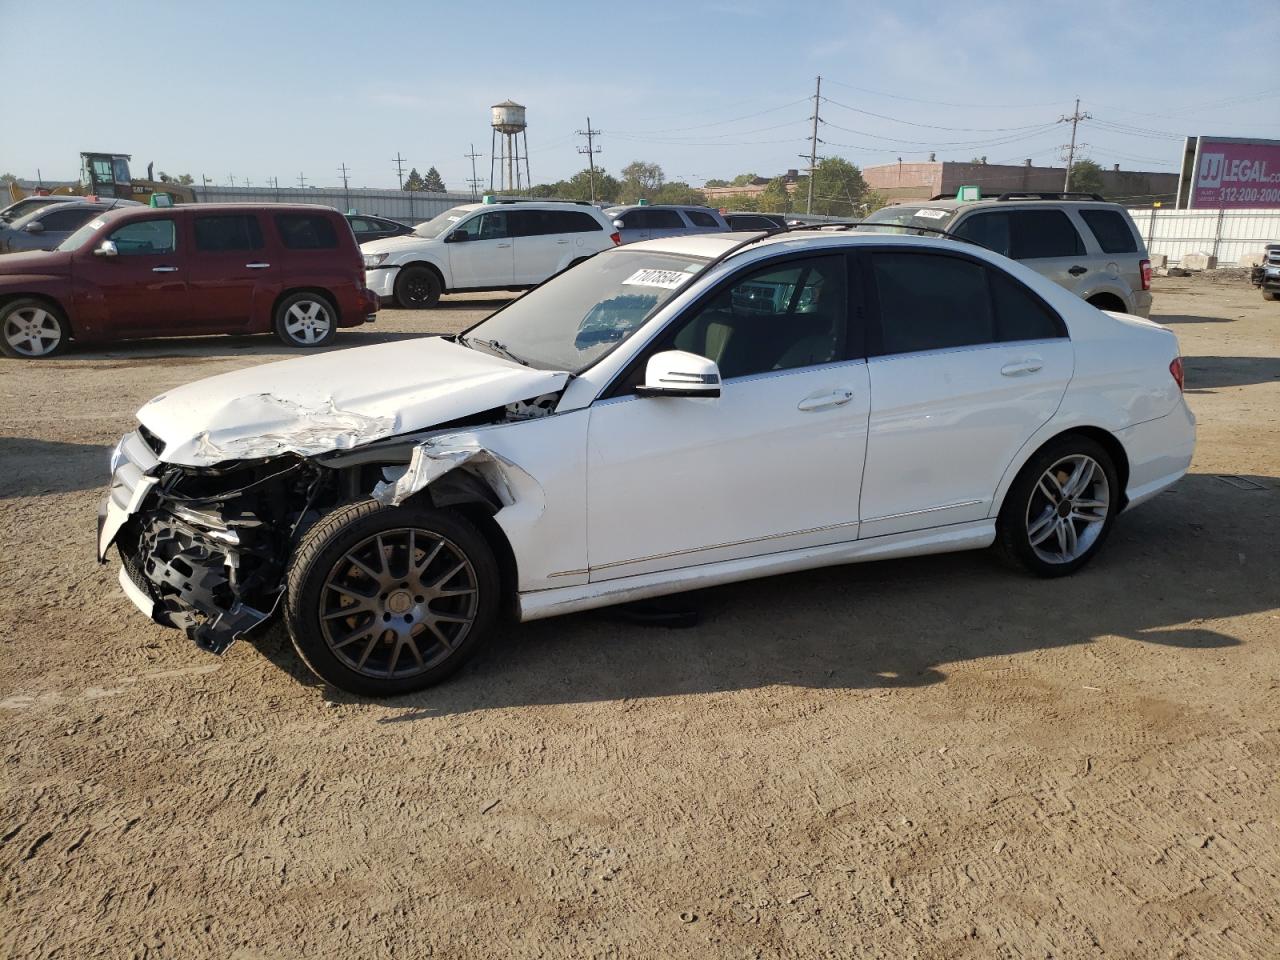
[(668, 415)]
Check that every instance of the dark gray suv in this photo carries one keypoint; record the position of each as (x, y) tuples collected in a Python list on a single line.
[(647, 221)]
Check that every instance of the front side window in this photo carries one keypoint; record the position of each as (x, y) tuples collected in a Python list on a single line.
[(224, 234), (931, 302), (306, 231), (780, 317), (576, 317), (487, 226), (1111, 230), (1041, 234), (700, 218), (144, 238)]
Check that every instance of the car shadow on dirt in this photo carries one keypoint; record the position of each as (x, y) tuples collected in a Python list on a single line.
[(1206, 373), (32, 468), (205, 348), (1165, 318), (1163, 578)]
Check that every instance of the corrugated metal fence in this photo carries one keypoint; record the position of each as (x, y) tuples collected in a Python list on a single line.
[(405, 205), (1229, 235)]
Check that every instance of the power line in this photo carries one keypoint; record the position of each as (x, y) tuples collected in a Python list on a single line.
[(302, 181), (1074, 119), (813, 143), (929, 126), (399, 162), (718, 123), (944, 103), (590, 150), (346, 193), (475, 180)]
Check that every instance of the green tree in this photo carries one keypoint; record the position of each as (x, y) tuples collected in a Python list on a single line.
[(716, 183), (8, 178), (1086, 177), (183, 178), (838, 189), (774, 198), (414, 180), (678, 191), (641, 181), (744, 179), (432, 182)]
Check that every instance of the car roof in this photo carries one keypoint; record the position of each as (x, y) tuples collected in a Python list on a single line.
[(712, 245), (951, 203), (40, 212), (660, 206)]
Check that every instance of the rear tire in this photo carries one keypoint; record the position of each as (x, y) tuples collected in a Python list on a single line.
[(1060, 508), (417, 288), (1272, 295), (383, 601), (306, 319), (32, 329)]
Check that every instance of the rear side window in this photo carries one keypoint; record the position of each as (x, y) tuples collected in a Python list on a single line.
[(1039, 234), (931, 302), (223, 234), (1019, 314), (991, 230), (144, 238), (700, 218), (664, 220), (67, 219), (1111, 230), (571, 221), (306, 231)]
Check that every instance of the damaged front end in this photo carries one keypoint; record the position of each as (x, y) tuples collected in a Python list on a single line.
[(204, 549)]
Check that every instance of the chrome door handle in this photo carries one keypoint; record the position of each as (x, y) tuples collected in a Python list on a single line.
[(164, 269), (257, 266), (824, 401), (562, 241), (1020, 368), (1077, 270), (503, 246)]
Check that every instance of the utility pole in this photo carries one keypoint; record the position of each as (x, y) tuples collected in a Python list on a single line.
[(231, 180), (813, 144), (302, 181), (399, 162), (1074, 119), (275, 185), (204, 181), (346, 194), (590, 150), (475, 180)]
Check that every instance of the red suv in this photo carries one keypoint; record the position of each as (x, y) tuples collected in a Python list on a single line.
[(191, 269)]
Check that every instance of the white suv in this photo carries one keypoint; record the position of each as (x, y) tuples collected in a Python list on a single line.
[(503, 245)]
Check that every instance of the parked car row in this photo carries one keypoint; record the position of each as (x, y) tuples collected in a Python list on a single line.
[(139, 271), (44, 225)]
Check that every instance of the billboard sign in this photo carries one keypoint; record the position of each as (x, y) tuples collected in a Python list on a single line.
[(1234, 174)]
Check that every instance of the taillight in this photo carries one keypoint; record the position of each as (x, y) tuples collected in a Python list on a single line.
[(1145, 267), (1175, 368), (617, 239)]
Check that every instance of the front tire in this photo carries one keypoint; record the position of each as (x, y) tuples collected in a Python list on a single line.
[(306, 319), (417, 288), (383, 601), (1060, 507), (32, 329), (1271, 295)]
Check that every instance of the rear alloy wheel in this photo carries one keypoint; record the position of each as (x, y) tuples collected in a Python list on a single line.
[(388, 600), (1060, 508), (32, 329), (417, 288), (306, 320)]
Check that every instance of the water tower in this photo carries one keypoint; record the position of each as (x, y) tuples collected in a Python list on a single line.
[(509, 145)]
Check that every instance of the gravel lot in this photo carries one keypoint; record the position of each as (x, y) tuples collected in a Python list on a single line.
[(925, 758)]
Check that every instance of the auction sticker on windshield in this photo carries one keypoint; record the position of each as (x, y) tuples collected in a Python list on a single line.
[(667, 279), (931, 214)]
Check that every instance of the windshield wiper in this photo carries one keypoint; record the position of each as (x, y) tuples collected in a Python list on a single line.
[(496, 347)]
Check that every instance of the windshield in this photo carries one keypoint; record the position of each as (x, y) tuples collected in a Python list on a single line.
[(81, 236), (439, 224), (911, 215), (578, 316)]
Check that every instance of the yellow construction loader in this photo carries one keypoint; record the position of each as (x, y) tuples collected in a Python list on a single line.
[(107, 175)]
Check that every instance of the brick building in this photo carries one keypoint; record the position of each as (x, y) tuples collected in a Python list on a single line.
[(919, 181)]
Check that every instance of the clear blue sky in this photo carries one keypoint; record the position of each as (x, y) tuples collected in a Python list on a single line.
[(706, 89)]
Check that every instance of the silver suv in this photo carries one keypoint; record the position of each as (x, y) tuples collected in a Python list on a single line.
[(1078, 240), (650, 220)]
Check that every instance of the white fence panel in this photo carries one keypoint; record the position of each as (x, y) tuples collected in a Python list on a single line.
[(408, 205), (1230, 235)]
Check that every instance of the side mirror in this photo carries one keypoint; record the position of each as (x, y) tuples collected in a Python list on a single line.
[(106, 249), (675, 373), (458, 236), (35, 226), (619, 225)]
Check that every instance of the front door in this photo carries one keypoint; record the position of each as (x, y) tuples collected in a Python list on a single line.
[(774, 464), (966, 365), (482, 252), (143, 288), (229, 267)]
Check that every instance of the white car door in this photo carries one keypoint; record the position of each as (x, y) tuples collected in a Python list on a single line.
[(774, 464), (966, 364), (540, 244), (481, 252)]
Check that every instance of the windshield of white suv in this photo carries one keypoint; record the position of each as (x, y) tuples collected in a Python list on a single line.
[(578, 316), (440, 223), (912, 215)]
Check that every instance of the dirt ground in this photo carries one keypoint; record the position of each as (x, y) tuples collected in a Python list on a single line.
[(926, 758)]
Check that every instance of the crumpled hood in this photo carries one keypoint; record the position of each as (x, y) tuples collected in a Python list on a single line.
[(394, 244), (336, 400)]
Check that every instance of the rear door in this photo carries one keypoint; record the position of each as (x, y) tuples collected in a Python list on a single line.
[(486, 257), (1119, 242), (144, 287), (966, 364), (539, 244), (1045, 239), (665, 223), (702, 222), (229, 270)]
